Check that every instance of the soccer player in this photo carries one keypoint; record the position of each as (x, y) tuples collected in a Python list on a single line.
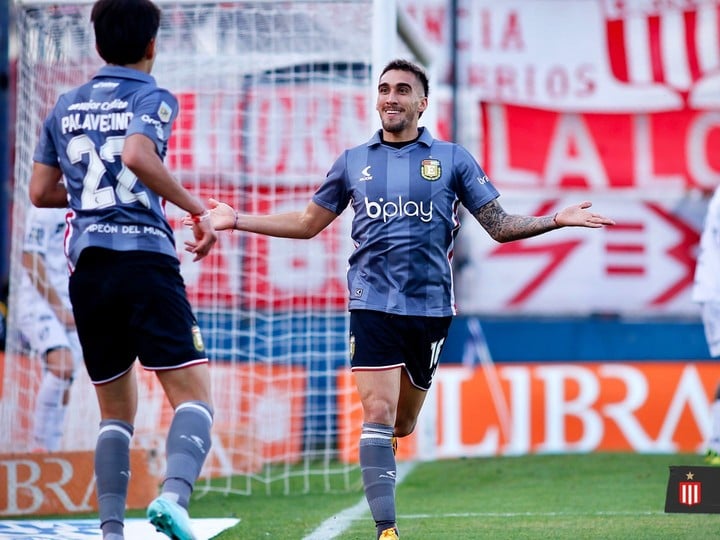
[(404, 187), (46, 321), (706, 291), (108, 138)]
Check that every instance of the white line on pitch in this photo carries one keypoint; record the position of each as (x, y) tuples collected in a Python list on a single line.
[(336, 525)]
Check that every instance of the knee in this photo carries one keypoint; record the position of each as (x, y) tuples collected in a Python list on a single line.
[(404, 426), (60, 363), (379, 412)]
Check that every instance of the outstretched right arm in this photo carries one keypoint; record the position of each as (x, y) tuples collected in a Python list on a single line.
[(301, 224), (140, 156)]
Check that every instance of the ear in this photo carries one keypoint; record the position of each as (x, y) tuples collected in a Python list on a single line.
[(423, 104), (150, 50)]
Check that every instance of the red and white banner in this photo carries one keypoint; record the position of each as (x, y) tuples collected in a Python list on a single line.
[(279, 134), (262, 272), (614, 102), (643, 265), (587, 55), (664, 154)]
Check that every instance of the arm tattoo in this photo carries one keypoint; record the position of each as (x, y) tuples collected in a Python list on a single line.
[(503, 227)]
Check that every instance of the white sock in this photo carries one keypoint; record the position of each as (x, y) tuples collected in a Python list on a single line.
[(49, 412)]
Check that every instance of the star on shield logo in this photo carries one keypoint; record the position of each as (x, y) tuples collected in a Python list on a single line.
[(430, 169), (689, 493)]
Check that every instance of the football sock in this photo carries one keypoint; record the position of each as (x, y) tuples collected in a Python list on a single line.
[(377, 463), (49, 412), (188, 444), (112, 473)]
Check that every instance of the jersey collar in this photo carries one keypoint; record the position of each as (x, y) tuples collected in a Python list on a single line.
[(425, 137), (125, 73)]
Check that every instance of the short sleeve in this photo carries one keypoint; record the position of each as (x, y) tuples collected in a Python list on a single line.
[(45, 151), (334, 193), (153, 117), (473, 187)]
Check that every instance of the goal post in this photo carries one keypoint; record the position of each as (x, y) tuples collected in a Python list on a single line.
[(270, 93)]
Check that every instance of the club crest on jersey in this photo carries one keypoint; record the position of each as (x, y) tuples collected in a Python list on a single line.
[(430, 169), (197, 338), (164, 112)]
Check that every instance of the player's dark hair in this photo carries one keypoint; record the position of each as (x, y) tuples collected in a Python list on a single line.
[(406, 65), (124, 28)]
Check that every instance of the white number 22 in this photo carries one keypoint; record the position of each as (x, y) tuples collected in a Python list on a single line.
[(94, 196)]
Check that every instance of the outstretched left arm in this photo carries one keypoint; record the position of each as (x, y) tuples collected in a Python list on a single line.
[(503, 227)]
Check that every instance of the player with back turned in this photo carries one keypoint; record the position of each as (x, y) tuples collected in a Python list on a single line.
[(108, 138), (404, 187)]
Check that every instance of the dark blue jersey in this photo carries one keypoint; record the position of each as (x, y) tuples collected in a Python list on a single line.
[(84, 135), (405, 202)]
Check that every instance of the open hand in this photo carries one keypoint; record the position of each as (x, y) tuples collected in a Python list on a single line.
[(578, 215)]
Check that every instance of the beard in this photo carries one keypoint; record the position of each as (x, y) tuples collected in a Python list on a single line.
[(396, 125)]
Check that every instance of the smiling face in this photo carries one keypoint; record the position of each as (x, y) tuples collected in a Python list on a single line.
[(400, 101)]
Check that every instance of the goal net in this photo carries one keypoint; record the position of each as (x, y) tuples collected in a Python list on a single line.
[(270, 93)]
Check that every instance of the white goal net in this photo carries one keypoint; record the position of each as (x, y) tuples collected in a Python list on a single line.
[(270, 94)]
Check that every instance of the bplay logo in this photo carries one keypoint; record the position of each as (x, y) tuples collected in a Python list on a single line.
[(385, 210)]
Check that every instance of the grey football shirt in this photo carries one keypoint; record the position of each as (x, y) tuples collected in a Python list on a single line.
[(406, 219), (84, 135)]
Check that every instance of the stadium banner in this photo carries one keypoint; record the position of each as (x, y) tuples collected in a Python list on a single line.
[(644, 265), (517, 409), (626, 117), (665, 153), (207, 136), (42, 484), (256, 272), (639, 56), (258, 418)]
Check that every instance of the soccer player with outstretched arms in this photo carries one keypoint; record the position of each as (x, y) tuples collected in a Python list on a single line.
[(404, 187)]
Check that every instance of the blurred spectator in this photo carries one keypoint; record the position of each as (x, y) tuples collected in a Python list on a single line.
[(46, 321)]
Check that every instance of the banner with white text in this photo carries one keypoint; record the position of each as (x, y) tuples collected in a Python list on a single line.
[(516, 409), (613, 102)]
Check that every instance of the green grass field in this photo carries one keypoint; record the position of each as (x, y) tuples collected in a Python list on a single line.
[(592, 496)]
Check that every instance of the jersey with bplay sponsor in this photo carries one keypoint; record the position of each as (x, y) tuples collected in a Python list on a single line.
[(84, 135), (405, 202)]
